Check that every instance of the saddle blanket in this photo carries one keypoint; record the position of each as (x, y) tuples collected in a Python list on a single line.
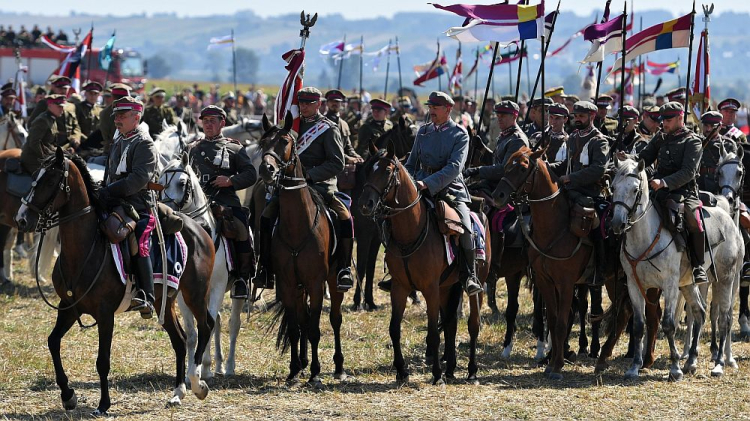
[(177, 254), (227, 252), (451, 249)]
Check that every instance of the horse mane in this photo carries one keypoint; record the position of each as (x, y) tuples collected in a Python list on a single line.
[(625, 167), (92, 189)]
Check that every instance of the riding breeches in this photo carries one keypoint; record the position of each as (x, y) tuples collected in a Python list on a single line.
[(242, 246), (467, 238), (693, 221), (143, 229)]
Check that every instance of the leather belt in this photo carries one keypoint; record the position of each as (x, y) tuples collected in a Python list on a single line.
[(707, 170)]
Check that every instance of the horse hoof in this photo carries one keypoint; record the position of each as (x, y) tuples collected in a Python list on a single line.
[(571, 357), (732, 363), (356, 307), (717, 371), (555, 376), (203, 392), (631, 374), (690, 369), (402, 380), (506, 351), (473, 380), (315, 383), (438, 381), (601, 368), (547, 370), (292, 381), (207, 374), (675, 376), (99, 413), (174, 402), (594, 354), (371, 307), (71, 403), (340, 376)]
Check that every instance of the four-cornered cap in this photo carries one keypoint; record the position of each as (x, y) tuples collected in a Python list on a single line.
[(711, 117), (584, 107), (55, 99), (92, 87), (59, 81), (157, 92), (604, 101), (380, 104), (630, 113), (558, 109), (127, 103), (506, 107), (213, 111), (335, 95), (729, 103), (676, 94), (558, 90), (438, 98), (537, 102), (309, 94), (671, 109), (120, 90)]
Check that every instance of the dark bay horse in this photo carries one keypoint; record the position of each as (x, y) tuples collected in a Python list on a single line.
[(87, 282), (365, 230), (415, 255), (302, 247)]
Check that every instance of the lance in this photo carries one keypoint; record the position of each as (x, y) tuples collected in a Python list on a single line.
[(361, 59), (690, 63), (487, 89), (341, 64), (234, 64), (510, 77), (90, 53), (621, 136), (476, 75), (641, 72), (460, 86), (528, 77), (544, 53), (387, 70), (440, 75), (398, 63), (707, 10), (543, 140)]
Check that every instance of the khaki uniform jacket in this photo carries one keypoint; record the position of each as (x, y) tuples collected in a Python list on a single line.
[(554, 142), (354, 120), (107, 127), (509, 142), (323, 160), (346, 134), (140, 168), (707, 177), (678, 157), (41, 143), (88, 118), (371, 131), (733, 133), (68, 129), (241, 170), (153, 116), (585, 164), (608, 126)]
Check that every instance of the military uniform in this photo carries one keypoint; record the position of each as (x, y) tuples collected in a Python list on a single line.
[(509, 142), (154, 116), (371, 131), (607, 126), (232, 117), (346, 134), (41, 143), (88, 117), (67, 123), (712, 150), (557, 148), (107, 117), (354, 120)]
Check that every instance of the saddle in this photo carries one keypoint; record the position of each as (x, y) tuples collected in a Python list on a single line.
[(229, 225), (347, 179), (120, 224), (744, 216), (582, 220), (449, 222), (19, 182)]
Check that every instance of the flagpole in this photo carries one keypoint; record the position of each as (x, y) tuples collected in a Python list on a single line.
[(461, 86), (706, 18), (543, 49), (528, 78), (539, 72), (341, 64), (690, 63), (234, 64), (387, 70), (90, 53), (600, 64), (476, 74), (361, 59), (398, 63), (487, 90), (641, 73), (621, 136), (440, 75), (111, 59), (510, 76), (520, 65)]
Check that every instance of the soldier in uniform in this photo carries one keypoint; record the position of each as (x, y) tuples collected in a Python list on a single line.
[(184, 113), (224, 168), (44, 135), (67, 123), (353, 118), (375, 126), (557, 138), (713, 143), (404, 110), (538, 106), (158, 112), (87, 111), (322, 156), (230, 109), (728, 109), (107, 98), (489, 123), (678, 155), (131, 165), (556, 94), (581, 172), (632, 142), (436, 161), (606, 125), (335, 98), (7, 100), (650, 124), (107, 120)]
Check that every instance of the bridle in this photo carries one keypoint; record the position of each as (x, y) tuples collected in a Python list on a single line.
[(521, 192), (740, 167), (382, 210), (284, 166), (171, 172), (12, 133), (632, 209)]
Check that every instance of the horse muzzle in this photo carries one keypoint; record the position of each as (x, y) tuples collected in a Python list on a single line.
[(24, 220), (501, 196), (267, 172)]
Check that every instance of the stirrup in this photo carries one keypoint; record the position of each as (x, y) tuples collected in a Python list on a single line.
[(239, 289), (472, 286), (386, 284), (264, 279), (344, 274), (700, 277)]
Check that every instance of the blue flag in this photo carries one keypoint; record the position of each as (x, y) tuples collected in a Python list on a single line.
[(105, 54)]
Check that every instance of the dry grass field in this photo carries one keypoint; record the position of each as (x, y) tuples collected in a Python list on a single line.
[(143, 367)]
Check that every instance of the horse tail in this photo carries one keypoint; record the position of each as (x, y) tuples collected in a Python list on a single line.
[(280, 322), (608, 319)]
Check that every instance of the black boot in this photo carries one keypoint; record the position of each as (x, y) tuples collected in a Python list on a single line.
[(697, 256), (386, 284), (264, 275), (467, 274), (344, 279), (239, 287), (597, 278), (143, 299), (745, 280)]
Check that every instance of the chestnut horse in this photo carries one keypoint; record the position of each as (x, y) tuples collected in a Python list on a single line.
[(86, 279), (416, 258)]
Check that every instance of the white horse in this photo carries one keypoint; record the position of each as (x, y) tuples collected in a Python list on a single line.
[(651, 259), (12, 133), (172, 141), (248, 129), (182, 192)]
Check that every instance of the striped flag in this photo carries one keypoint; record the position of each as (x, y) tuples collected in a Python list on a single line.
[(286, 99), (20, 84), (661, 68), (55, 46), (70, 66), (511, 56), (332, 48), (430, 70), (702, 85), (501, 23), (220, 42), (606, 38), (457, 76)]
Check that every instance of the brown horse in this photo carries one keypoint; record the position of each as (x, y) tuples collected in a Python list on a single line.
[(415, 254), (558, 257), (8, 206), (86, 280), (302, 247)]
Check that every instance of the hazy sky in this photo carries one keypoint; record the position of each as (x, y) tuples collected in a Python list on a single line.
[(352, 9)]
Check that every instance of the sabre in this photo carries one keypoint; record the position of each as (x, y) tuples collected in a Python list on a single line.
[(710, 249)]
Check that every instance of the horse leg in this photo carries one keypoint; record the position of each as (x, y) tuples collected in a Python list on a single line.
[(177, 338), (513, 283), (432, 298), (560, 330), (6, 260), (335, 318), (448, 315), (744, 316), (596, 312), (106, 326), (475, 306), (235, 321), (372, 259), (190, 332), (64, 322), (293, 333), (653, 314), (218, 289), (698, 311), (538, 325), (491, 283), (313, 332), (638, 303), (361, 269), (623, 316), (669, 326), (205, 323), (398, 304), (581, 306)]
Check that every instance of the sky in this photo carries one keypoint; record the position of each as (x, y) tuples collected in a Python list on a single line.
[(350, 9)]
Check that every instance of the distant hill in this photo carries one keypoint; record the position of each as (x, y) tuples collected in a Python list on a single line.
[(182, 42)]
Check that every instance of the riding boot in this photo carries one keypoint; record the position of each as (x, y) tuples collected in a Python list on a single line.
[(386, 284), (745, 279), (143, 299), (344, 279), (467, 272), (264, 275), (697, 256), (239, 287), (597, 278)]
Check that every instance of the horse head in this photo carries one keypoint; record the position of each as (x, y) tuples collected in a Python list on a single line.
[(518, 178), (730, 173), (279, 149), (629, 193), (12, 133), (382, 179), (180, 184)]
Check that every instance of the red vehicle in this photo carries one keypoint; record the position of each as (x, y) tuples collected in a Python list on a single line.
[(127, 66)]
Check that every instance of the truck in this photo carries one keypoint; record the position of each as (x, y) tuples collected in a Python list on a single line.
[(127, 66)]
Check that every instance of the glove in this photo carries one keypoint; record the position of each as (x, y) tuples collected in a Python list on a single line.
[(471, 172), (106, 198)]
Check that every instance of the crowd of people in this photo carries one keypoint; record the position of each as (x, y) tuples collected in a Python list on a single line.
[(28, 39)]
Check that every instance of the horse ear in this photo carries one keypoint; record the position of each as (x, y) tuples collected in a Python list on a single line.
[(185, 159), (59, 156), (373, 149), (164, 125), (288, 121), (641, 165), (391, 149), (266, 124)]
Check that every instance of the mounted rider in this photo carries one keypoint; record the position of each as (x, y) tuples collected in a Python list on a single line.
[(632, 141), (7, 100), (728, 109), (581, 173), (224, 167), (375, 126), (678, 156), (44, 136), (605, 124), (334, 99), (712, 146), (556, 137), (131, 165), (158, 112), (538, 106), (67, 123), (107, 120), (436, 161), (321, 152), (87, 112)]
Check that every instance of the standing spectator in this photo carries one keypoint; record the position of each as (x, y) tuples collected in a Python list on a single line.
[(3, 34), (24, 37), (260, 102), (62, 37), (10, 36), (50, 34), (36, 33)]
